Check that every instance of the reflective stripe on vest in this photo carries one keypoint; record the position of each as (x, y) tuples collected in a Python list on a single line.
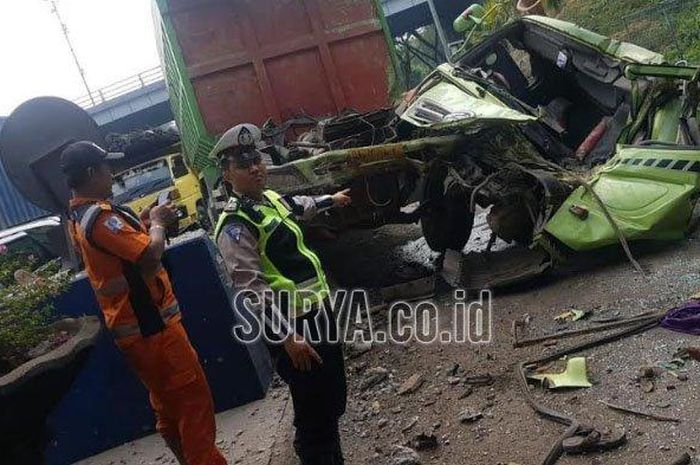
[(122, 331), (89, 217), (274, 216), (131, 282), (113, 287)]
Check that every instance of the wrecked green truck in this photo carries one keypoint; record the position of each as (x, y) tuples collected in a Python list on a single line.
[(570, 141), (573, 141)]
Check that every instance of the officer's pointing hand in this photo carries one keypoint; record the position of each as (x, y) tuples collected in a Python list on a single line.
[(302, 355), (342, 198)]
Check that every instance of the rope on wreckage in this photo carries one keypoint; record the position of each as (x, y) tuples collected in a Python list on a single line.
[(608, 216), (606, 212), (616, 228)]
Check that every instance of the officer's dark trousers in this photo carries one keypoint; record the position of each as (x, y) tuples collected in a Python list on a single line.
[(319, 396)]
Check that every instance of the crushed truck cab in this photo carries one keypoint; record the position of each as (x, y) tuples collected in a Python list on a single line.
[(569, 140)]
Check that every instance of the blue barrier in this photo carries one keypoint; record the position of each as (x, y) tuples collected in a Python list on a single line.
[(107, 405)]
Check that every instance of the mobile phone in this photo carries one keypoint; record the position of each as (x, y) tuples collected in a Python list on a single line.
[(163, 198)]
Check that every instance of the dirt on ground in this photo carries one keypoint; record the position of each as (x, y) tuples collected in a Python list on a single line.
[(449, 419)]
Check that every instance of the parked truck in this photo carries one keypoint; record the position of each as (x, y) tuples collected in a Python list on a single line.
[(140, 186), (271, 61)]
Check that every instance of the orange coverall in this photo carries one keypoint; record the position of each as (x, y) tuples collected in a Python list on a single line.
[(111, 241)]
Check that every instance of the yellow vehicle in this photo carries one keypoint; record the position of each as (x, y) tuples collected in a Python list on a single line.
[(141, 186)]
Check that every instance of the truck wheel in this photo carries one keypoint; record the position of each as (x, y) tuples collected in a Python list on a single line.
[(447, 221)]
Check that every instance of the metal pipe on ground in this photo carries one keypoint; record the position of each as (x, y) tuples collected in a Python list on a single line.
[(572, 424)]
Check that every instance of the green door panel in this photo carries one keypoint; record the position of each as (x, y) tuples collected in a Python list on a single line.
[(629, 195), (650, 192)]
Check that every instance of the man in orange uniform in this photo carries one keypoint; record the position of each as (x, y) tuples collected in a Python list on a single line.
[(123, 261)]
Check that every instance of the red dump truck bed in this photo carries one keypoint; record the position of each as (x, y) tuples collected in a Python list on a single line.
[(237, 61)]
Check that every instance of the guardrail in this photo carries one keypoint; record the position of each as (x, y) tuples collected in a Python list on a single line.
[(120, 88)]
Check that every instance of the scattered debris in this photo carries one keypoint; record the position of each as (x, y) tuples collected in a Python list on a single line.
[(453, 369), (571, 422), (647, 372), (673, 367), (466, 393), (647, 385), (573, 315), (684, 319), (479, 380), (640, 413), (424, 441), (374, 376), (411, 385), (646, 378), (402, 455), (684, 459), (593, 440), (469, 416), (356, 349), (575, 375), (689, 353), (648, 317), (409, 426)]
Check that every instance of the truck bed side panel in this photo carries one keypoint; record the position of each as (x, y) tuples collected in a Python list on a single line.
[(250, 60)]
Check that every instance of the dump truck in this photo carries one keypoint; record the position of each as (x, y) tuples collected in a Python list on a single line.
[(287, 64)]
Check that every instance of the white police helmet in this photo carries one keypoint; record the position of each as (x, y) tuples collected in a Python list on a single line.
[(242, 135)]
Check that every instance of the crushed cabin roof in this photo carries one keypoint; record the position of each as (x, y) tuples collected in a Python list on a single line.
[(621, 50)]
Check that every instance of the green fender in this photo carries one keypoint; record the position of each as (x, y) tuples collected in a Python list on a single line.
[(649, 191)]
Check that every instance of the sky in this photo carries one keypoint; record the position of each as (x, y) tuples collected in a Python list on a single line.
[(114, 39)]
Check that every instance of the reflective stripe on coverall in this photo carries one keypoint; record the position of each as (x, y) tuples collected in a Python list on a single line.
[(142, 313)]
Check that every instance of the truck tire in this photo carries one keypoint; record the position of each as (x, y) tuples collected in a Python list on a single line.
[(447, 220)]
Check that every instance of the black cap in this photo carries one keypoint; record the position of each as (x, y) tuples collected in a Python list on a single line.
[(82, 155), (244, 156)]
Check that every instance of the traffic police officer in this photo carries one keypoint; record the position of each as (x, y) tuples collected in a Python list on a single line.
[(122, 257), (264, 250)]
